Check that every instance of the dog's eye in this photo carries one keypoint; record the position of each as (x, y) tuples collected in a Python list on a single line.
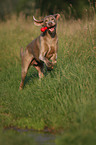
[(52, 19), (46, 21)]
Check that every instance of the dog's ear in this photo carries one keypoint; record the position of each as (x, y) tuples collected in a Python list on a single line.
[(57, 16), (38, 22)]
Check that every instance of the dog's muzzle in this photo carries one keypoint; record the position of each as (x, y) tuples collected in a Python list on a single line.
[(52, 28)]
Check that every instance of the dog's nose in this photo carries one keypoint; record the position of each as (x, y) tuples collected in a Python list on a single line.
[(49, 23)]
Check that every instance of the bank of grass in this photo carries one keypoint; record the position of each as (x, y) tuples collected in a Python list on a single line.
[(65, 99)]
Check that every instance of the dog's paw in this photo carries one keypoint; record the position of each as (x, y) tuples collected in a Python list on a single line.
[(49, 64)]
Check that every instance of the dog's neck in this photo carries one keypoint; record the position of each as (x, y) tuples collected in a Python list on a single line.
[(52, 34)]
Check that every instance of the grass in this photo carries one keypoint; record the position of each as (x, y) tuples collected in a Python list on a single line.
[(65, 99)]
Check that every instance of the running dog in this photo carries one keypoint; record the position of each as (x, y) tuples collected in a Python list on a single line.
[(41, 50)]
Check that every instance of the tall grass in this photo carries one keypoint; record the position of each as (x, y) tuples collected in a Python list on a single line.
[(65, 99)]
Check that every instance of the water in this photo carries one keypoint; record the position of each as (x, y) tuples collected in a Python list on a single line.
[(39, 138), (43, 138)]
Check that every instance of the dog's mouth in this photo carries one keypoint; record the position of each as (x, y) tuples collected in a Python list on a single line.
[(51, 29)]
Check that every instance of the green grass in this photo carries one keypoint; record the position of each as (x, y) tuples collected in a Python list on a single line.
[(65, 99)]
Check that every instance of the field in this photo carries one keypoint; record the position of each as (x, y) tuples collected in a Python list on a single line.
[(64, 100)]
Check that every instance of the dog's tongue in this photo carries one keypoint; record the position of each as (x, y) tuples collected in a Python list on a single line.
[(51, 29)]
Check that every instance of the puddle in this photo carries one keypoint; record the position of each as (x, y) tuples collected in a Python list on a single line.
[(40, 138), (43, 138)]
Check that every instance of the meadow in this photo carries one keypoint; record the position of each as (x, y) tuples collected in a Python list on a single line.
[(64, 101)]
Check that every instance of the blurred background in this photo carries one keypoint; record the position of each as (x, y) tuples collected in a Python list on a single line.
[(69, 8)]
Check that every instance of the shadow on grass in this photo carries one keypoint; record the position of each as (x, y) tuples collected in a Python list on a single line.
[(32, 74), (30, 77)]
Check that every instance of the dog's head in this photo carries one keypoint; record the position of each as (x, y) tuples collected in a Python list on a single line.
[(49, 21)]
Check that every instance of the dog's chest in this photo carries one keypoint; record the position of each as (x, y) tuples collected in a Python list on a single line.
[(50, 47), (49, 44)]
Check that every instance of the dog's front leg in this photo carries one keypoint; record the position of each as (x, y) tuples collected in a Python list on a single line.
[(54, 58), (43, 58)]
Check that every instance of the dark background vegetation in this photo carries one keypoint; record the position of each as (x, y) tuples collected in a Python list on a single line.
[(70, 8)]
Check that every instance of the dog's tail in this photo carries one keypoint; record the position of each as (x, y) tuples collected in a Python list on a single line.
[(21, 52)]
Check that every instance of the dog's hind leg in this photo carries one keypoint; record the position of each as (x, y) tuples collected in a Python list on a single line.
[(40, 68), (26, 59)]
